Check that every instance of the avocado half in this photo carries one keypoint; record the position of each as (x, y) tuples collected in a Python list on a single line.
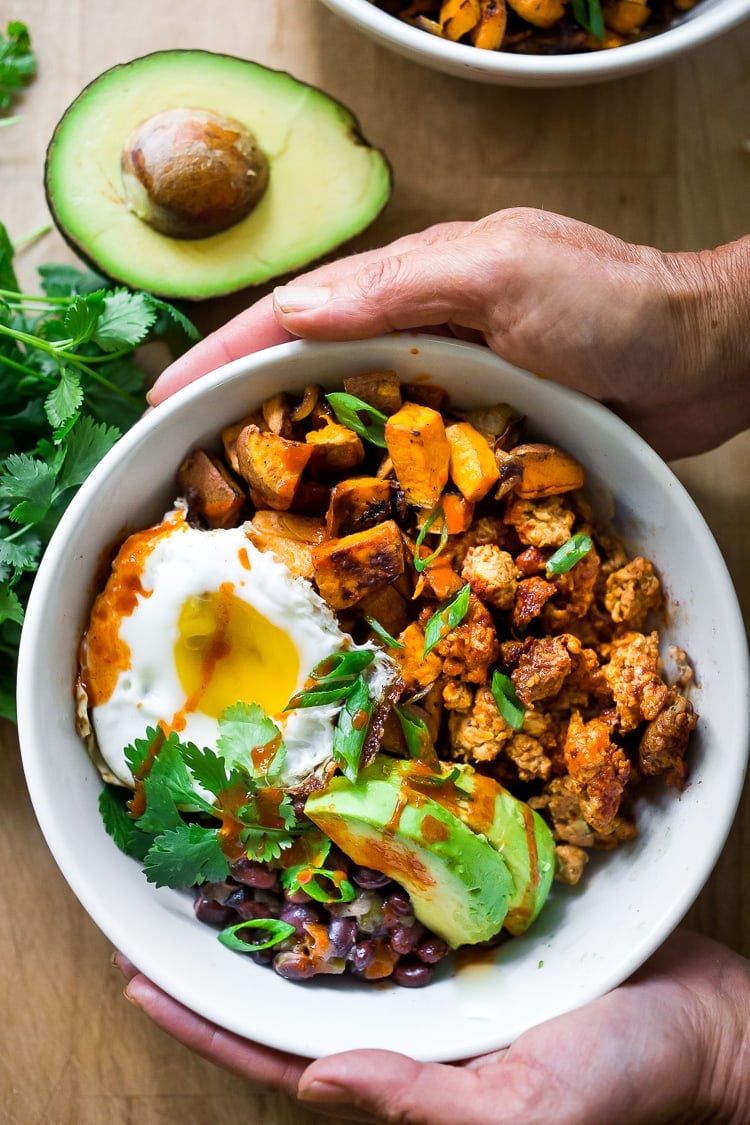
[(322, 185)]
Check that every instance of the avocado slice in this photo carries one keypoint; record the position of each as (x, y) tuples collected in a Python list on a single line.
[(458, 883), (518, 833), (127, 187)]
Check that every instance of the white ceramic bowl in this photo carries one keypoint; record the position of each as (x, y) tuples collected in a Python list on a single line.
[(586, 940), (703, 23)]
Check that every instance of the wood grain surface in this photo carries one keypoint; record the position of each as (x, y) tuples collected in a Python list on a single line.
[(659, 159)]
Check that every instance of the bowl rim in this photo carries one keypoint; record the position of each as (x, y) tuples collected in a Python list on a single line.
[(702, 26), (33, 640)]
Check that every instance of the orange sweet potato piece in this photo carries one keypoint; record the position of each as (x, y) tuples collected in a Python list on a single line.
[(381, 389), (335, 449), (210, 489), (488, 33), (271, 465), (419, 449), (458, 511), (540, 13), (348, 568), (457, 17), (358, 503), (545, 471), (473, 467), (290, 538), (230, 434)]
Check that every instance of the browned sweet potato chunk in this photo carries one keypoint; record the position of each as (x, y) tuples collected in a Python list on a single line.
[(381, 389), (458, 513), (210, 490), (488, 33), (288, 537), (546, 471), (271, 465), (335, 449), (458, 16), (348, 568), (419, 449), (230, 434), (358, 503), (473, 467)]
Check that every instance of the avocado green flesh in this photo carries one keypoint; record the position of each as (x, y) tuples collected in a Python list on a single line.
[(325, 183), (458, 884)]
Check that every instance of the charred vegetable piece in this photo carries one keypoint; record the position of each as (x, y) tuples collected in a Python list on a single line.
[(271, 465), (457, 17), (419, 449), (230, 434), (335, 449), (348, 568), (381, 389), (546, 471), (473, 467), (488, 33), (210, 490), (358, 503), (290, 538)]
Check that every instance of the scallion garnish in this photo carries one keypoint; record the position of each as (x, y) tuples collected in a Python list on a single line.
[(383, 633), (359, 416), (571, 552), (508, 704), (340, 664), (421, 563), (276, 929), (445, 619), (305, 878), (588, 13), (329, 691), (414, 728), (351, 729)]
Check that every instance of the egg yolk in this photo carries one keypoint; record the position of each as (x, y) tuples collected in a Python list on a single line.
[(227, 651)]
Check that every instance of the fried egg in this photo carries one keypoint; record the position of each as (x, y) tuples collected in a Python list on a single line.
[(191, 622)]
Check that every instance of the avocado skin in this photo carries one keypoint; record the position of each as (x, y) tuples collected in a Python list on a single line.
[(458, 883), (196, 276)]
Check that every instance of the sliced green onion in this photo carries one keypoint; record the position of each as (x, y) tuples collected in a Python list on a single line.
[(566, 557), (588, 13), (340, 664), (436, 778), (330, 691), (508, 704), (384, 635), (359, 416), (436, 513), (274, 927), (351, 729), (445, 619), (305, 878), (415, 731)]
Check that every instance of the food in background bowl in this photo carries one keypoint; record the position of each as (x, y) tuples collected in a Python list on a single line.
[(346, 674), (588, 938)]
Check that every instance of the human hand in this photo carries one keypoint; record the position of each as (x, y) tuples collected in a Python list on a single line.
[(659, 337), (672, 1044)]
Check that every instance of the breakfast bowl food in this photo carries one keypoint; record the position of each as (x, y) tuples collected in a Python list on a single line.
[(586, 938), (549, 48)]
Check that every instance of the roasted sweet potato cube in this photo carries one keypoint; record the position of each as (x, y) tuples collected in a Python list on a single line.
[(335, 449), (348, 568), (290, 538), (545, 471), (230, 434), (271, 465), (358, 503), (388, 608), (473, 467), (210, 490), (488, 33), (458, 513), (458, 16), (426, 394), (419, 449), (381, 389), (311, 498)]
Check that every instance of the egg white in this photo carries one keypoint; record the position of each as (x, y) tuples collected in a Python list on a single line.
[(186, 562)]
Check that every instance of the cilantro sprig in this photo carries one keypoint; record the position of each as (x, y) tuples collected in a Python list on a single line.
[(70, 384), (17, 65)]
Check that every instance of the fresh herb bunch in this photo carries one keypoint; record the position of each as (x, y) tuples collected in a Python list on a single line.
[(17, 64), (70, 384)]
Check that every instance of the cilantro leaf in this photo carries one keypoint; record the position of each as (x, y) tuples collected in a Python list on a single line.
[(246, 727), (124, 320), (8, 279), (17, 61), (62, 403), (82, 317), (207, 768), (184, 856), (141, 749), (118, 822), (169, 780), (10, 605), (84, 448)]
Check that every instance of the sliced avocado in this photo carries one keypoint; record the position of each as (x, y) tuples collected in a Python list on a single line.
[(458, 883), (170, 141), (516, 831)]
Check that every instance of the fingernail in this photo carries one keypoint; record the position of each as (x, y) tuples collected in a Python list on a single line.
[(299, 298), (318, 1090)]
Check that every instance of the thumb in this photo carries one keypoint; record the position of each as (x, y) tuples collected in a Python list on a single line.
[(444, 281)]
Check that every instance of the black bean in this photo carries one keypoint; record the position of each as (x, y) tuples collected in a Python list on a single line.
[(368, 879), (362, 956), (297, 896), (432, 950), (254, 874), (342, 933), (412, 974), (405, 938), (213, 913), (293, 966), (397, 911), (299, 915)]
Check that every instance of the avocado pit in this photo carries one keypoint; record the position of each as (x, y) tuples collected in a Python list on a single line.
[(191, 173)]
